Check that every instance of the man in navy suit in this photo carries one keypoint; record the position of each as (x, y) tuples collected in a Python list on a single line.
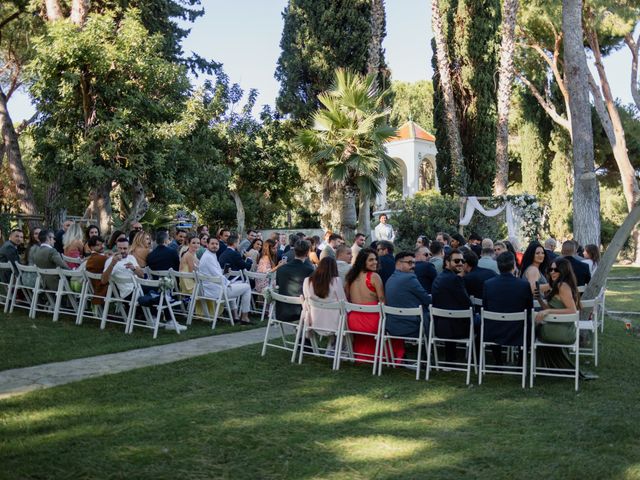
[(162, 257), (505, 293), (475, 276), (231, 259), (386, 262), (448, 292), (580, 269), (404, 290), (289, 278), (223, 236), (425, 271)]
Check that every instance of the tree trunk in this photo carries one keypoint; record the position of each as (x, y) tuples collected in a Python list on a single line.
[(79, 11), (634, 46), (139, 206), (325, 204), (505, 83), (53, 214), (451, 116), (14, 157), (608, 259), (240, 216), (374, 60), (348, 217), (54, 12), (364, 216), (100, 206), (586, 195)]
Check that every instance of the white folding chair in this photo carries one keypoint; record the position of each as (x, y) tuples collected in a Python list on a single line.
[(602, 308), (66, 292), (124, 307), (313, 332), (573, 348), (386, 354), (88, 307), (467, 342), (200, 296), (235, 276), (283, 326), (589, 316), (581, 289), (516, 320), (346, 334), (44, 299), (6, 287), (184, 297), (258, 302), (24, 284), (164, 306)]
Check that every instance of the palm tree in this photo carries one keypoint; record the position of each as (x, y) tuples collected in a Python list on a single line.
[(347, 141)]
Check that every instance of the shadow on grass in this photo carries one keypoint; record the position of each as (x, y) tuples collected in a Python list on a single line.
[(237, 415)]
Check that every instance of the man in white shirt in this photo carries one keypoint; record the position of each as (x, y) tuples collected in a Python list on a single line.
[(209, 265), (358, 244), (343, 259), (383, 230)]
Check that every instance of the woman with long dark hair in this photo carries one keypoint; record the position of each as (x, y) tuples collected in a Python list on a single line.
[(254, 252), (268, 263), (591, 257), (324, 284), (533, 268)]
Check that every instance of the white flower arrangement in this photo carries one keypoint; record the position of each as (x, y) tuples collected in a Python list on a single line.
[(526, 207), (166, 284)]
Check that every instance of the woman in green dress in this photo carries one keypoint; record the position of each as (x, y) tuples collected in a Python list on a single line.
[(561, 299)]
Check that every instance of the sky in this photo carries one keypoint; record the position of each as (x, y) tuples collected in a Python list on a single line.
[(245, 36)]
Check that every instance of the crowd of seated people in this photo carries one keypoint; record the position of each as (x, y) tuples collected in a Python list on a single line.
[(445, 272)]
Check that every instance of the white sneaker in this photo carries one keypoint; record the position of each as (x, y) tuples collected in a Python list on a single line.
[(172, 325)]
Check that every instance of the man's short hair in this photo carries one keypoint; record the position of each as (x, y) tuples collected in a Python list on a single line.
[(383, 215), (385, 244), (122, 240), (445, 236), (341, 250), (404, 254), (161, 237), (232, 240), (249, 232), (335, 236), (569, 248), (459, 238), (43, 236), (453, 251), (487, 243), (293, 238), (487, 251), (14, 230), (550, 243), (420, 249), (221, 231), (93, 241), (180, 230), (301, 248), (475, 236), (358, 235), (470, 258), (506, 262), (436, 247)]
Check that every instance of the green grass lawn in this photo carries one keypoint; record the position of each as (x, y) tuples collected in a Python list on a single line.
[(25, 342), (235, 415)]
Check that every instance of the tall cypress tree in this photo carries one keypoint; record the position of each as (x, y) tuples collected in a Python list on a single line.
[(318, 37), (472, 32)]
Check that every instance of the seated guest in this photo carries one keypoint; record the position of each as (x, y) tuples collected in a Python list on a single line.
[(313, 255), (246, 243), (283, 243), (209, 265), (386, 262), (189, 264), (253, 253), (140, 247), (534, 267), (92, 231), (59, 234), (48, 257), (231, 259), (179, 239), (9, 252), (364, 286), (223, 236), (475, 276), (135, 228), (498, 248), (591, 257), (550, 246), (512, 246), (343, 261), (72, 243), (475, 244), (425, 271), (437, 255), (444, 239), (204, 241), (580, 269), (422, 241), (267, 263), (505, 293), (448, 292), (202, 230), (487, 256), (330, 249), (113, 239), (290, 278), (404, 290), (95, 264), (162, 257), (29, 278), (324, 285)]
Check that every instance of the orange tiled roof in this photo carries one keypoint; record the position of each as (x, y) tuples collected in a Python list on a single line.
[(411, 130)]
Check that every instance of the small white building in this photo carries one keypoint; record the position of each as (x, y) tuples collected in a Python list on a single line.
[(415, 150)]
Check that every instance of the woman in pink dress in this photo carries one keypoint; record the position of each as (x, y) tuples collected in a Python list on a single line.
[(267, 263), (364, 287), (324, 285)]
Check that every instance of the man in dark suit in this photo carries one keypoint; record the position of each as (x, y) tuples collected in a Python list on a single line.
[(9, 253), (425, 271), (231, 259), (223, 236), (550, 247), (505, 293), (289, 278), (580, 269), (162, 257), (475, 276), (448, 292), (386, 262), (404, 290)]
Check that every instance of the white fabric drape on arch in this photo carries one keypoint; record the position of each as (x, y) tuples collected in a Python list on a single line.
[(513, 219)]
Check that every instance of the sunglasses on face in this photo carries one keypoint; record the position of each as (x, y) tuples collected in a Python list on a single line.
[(458, 261), (553, 269)]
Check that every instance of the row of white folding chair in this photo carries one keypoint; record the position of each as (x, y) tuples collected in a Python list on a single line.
[(6, 286), (312, 332), (258, 297)]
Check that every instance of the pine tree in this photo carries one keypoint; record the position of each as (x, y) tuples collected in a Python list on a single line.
[(318, 37)]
